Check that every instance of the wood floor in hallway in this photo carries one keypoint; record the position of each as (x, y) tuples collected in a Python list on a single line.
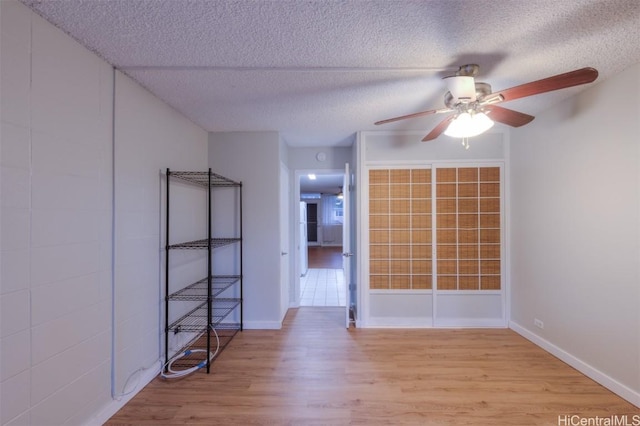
[(328, 257), (316, 372)]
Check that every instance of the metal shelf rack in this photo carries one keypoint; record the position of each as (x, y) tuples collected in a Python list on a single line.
[(214, 308)]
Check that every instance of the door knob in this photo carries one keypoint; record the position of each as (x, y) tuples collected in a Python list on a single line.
[(283, 253), (347, 254)]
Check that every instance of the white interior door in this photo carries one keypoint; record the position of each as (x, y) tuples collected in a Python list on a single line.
[(285, 243), (346, 239)]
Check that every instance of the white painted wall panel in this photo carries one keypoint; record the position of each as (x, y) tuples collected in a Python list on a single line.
[(150, 137), (254, 159), (56, 216), (576, 228), (15, 78)]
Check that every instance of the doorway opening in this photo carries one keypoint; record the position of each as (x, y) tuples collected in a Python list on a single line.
[(321, 276), (323, 284)]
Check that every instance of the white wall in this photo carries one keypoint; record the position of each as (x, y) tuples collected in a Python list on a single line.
[(56, 151), (575, 195), (254, 158), (56, 222), (150, 136), (305, 158)]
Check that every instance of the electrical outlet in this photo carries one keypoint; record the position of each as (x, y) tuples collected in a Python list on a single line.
[(538, 323)]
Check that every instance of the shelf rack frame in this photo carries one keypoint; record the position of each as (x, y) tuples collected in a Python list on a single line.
[(213, 310)]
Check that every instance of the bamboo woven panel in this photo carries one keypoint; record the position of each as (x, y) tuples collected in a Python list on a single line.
[(421, 282), (469, 282), (490, 220), (379, 282), (490, 251), (468, 266), (490, 236), (399, 267), (378, 221), (400, 228), (400, 251), (468, 236), (379, 267), (447, 236), (468, 205), (446, 282), (490, 174), (446, 175), (400, 206), (399, 176), (377, 251), (446, 221), (488, 267), (468, 190), (446, 206), (399, 221), (400, 236), (421, 237), (490, 205), (491, 282), (421, 267), (421, 251), (448, 267), (447, 252), (468, 174), (420, 191), (468, 221), (378, 236), (379, 192), (420, 206), (378, 176), (467, 251), (490, 189), (400, 282), (399, 191), (421, 221), (421, 175), (446, 190), (378, 206)]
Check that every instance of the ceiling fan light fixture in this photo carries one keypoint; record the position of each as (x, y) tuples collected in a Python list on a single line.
[(467, 125)]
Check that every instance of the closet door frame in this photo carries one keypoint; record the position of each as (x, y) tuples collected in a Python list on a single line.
[(485, 308), (438, 301)]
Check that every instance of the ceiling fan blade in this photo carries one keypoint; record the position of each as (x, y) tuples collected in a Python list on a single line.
[(560, 81), (414, 115), (508, 116), (439, 129), (404, 117)]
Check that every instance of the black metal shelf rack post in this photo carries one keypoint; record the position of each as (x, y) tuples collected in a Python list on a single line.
[(211, 313)]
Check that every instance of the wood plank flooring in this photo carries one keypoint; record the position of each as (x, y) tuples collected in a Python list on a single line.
[(325, 257), (315, 372)]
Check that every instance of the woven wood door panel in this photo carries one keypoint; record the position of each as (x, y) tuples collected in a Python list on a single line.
[(468, 230), (400, 234)]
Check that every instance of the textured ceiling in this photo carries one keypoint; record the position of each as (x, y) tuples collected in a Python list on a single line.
[(319, 71)]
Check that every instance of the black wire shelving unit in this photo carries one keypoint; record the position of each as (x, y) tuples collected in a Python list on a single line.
[(207, 320)]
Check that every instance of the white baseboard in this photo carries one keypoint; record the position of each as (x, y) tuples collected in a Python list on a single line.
[(396, 322), (262, 325), (116, 404), (470, 323), (608, 382)]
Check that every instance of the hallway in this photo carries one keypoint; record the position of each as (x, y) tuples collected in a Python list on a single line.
[(323, 284)]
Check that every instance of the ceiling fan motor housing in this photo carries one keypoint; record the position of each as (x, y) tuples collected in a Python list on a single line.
[(466, 101)]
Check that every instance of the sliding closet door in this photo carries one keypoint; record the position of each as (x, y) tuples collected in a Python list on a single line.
[(435, 243), (400, 246), (468, 246)]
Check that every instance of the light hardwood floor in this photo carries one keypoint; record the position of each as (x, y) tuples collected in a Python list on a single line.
[(315, 372)]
